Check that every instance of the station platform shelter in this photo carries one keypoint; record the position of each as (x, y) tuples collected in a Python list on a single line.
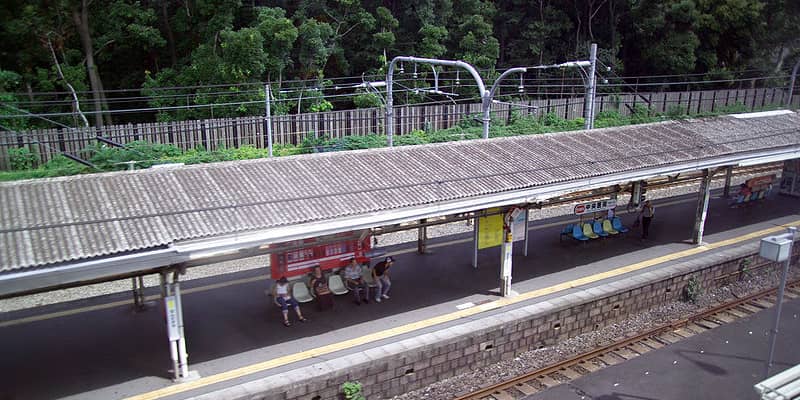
[(443, 316)]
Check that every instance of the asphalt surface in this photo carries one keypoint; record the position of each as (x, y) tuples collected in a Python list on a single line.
[(112, 352), (722, 363)]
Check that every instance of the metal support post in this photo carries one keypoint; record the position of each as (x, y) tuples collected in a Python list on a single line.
[(527, 232), (175, 332), (506, 253), (422, 237), (727, 191), (781, 288), (476, 228), (588, 108), (183, 356), (138, 293), (268, 117), (702, 207)]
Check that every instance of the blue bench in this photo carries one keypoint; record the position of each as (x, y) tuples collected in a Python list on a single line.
[(583, 232)]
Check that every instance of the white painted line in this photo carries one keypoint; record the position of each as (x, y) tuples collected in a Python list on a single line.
[(465, 306)]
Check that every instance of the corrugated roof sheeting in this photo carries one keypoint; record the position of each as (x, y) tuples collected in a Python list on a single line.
[(64, 219)]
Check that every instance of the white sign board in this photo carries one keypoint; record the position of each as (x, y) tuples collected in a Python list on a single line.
[(518, 224), (595, 206), (172, 318)]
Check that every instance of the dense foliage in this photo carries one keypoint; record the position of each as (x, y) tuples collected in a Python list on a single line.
[(197, 53)]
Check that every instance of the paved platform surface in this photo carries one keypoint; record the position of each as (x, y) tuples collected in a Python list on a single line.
[(722, 363), (99, 348)]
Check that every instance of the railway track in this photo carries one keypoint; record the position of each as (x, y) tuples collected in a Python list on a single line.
[(631, 347)]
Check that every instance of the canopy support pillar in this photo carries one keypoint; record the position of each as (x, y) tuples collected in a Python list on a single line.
[(422, 237), (702, 207), (727, 191), (171, 293), (137, 282)]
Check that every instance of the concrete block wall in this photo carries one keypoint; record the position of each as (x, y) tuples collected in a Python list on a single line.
[(416, 362)]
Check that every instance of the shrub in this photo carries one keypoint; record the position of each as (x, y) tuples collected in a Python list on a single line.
[(362, 142), (22, 158), (367, 100), (692, 290), (352, 391)]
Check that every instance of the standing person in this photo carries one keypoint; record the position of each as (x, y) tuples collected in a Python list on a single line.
[(283, 295), (647, 216), (352, 275), (381, 274), (321, 291)]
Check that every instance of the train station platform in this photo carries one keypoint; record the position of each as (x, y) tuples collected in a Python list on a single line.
[(99, 348)]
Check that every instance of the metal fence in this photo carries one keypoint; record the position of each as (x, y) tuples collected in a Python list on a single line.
[(213, 134)]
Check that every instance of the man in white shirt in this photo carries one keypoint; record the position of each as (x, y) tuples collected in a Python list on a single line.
[(352, 276)]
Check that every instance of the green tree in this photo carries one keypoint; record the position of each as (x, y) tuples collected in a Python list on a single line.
[(727, 31), (279, 38), (472, 36), (662, 39), (432, 40)]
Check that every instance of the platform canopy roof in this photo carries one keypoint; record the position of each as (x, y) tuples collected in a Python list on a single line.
[(128, 222)]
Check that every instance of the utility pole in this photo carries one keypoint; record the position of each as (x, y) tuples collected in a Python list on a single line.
[(791, 84), (591, 83), (777, 248), (268, 118)]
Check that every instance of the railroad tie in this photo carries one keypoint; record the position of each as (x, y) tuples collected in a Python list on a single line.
[(725, 317), (570, 373), (652, 343), (499, 395), (526, 389), (589, 366), (639, 348), (547, 381), (625, 353), (683, 332)]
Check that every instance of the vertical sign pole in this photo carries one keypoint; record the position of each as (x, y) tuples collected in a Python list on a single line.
[(506, 252), (475, 242), (183, 357)]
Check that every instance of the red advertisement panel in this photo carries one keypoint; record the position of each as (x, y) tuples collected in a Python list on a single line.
[(328, 255)]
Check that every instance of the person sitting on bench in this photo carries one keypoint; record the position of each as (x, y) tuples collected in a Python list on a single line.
[(321, 291), (352, 276)]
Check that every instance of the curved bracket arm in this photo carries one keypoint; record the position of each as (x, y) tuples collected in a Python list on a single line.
[(485, 99), (502, 76)]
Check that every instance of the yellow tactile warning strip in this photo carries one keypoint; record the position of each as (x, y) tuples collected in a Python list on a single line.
[(280, 361)]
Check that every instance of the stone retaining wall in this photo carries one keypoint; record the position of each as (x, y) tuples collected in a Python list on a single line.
[(419, 361)]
